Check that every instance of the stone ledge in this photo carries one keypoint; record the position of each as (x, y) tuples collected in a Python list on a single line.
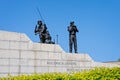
[(13, 36), (19, 55)]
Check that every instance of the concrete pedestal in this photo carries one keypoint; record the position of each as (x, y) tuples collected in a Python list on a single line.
[(19, 55)]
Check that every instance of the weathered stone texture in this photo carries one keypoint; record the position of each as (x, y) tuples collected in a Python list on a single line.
[(19, 55)]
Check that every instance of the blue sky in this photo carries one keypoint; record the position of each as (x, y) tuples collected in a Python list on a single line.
[(98, 22)]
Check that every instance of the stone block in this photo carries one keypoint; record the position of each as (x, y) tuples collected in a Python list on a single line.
[(4, 62), (87, 57), (37, 46), (61, 69), (23, 62), (14, 45), (70, 63), (27, 69), (54, 56), (4, 69), (14, 74), (24, 38), (63, 56), (52, 69), (47, 47), (43, 69), (31, 62), (41, 55), (97, 64), (58, 49), (13, 36), (54, 48), (27, 54), (14, 62), (68, 57), (3, 75), (51, 63), (4, 44), (80, 57), (14, 69), (62, 63), (30, 46), (75, 63), (9, 54), (27, 62), (57, 69), (10, 36), (87, 64), (23, 46), (71, 69), (43, 63), (82, 64), (72, 57), (4, 53)]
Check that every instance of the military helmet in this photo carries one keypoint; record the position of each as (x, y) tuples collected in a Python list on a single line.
[(72, 22), (39, 21)]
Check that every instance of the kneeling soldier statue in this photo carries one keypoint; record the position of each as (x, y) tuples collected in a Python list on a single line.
[(41, 30), (44, 34)]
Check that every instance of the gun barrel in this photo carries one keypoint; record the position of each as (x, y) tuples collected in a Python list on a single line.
[(40, 15)]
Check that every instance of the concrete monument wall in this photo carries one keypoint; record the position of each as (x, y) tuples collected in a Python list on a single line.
[(19, 55)]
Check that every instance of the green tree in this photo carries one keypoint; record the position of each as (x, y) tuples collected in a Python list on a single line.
[(119, 59)]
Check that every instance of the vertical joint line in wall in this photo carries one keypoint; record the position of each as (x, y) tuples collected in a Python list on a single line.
[(19, 62), (54, 48), (19, 42), (9, 64), (35, 62), (19, 55)]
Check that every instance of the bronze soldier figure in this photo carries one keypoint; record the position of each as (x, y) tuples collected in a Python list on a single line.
[(44, 34), (72, 37), (48, 37), (41, 30)]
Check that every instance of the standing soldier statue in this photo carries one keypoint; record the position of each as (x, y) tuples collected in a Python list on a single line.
[(72, 37)]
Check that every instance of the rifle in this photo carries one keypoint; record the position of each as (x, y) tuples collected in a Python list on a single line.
[(35, 30), (40, 15)]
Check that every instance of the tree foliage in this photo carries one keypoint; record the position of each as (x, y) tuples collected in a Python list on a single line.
[(95, 74), (119, 59)]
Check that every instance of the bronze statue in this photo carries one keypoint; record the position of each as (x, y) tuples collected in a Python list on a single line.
[(72, 37), (44, 34), (40, 29)]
